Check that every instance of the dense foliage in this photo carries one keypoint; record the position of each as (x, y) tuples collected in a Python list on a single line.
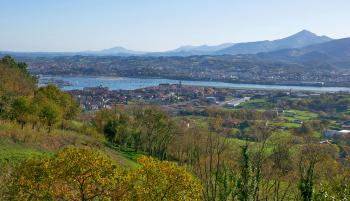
[(22, 101), (88, 174), (15, 79), (146, 129)]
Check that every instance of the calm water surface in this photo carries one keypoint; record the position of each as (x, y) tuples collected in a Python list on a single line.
[(79, 82)]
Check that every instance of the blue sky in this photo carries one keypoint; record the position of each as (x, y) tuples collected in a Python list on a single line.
[(157, 25)]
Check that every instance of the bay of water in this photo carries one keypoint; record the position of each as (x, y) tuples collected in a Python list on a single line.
[(80, 82)]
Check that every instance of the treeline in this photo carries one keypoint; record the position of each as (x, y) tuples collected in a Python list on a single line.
[(327, 103), (23, 102), (48, 107), (237, 114)]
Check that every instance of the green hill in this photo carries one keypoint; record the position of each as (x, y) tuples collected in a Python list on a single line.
[(18, 144), (34, 140)]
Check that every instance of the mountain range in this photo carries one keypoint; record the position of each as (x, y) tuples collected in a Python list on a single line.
[(299, 40), (190, 50), (334, 53)]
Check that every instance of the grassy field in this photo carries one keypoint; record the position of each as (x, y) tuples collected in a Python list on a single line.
[(299, 114), (17, 144), (291, 116), (14, 153), (254, 104), (275, 137), (287, 125)]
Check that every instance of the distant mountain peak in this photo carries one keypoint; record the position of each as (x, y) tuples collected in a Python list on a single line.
[(298, 40), (305, 32), (308, 34), (200, 49), (117, 50)]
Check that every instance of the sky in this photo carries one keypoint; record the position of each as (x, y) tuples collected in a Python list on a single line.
[(159, 25)]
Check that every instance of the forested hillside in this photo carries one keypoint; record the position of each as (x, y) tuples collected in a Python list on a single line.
[(15, 79)]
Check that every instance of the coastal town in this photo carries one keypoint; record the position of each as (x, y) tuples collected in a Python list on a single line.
[(94, 98)]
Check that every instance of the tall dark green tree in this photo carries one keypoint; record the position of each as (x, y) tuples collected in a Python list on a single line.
[(244, 184)]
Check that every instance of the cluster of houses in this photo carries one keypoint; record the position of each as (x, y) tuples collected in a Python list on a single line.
[(95, 98)]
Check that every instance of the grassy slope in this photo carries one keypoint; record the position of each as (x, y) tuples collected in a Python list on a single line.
[(17, 144), (254, 104)]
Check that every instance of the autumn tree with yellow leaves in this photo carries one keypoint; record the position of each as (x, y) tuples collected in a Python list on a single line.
[(160, 180), (88, 174)]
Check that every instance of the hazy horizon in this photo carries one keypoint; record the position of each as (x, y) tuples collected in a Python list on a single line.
[(155, 25)]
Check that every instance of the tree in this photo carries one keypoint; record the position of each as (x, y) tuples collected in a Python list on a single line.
[(157, 130), (73, 174), (102, 117), (212, 166), (160, 180), (31, 180), (244, 183), (50, 114), (309, 156), (305, 129), (306, 182), (261, 133), (279, 174), (119, 130), (67, 105), (21, 110), (9, 61), (83, 174)]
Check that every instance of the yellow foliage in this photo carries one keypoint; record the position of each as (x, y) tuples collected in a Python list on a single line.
[(30, 181), (83, 174), (162, 180), (88, 174)]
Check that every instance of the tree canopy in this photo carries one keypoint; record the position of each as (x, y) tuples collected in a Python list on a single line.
[(88, 174)]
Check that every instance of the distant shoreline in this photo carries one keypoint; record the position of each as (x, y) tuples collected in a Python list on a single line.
[(115, 82), (291, 84)]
